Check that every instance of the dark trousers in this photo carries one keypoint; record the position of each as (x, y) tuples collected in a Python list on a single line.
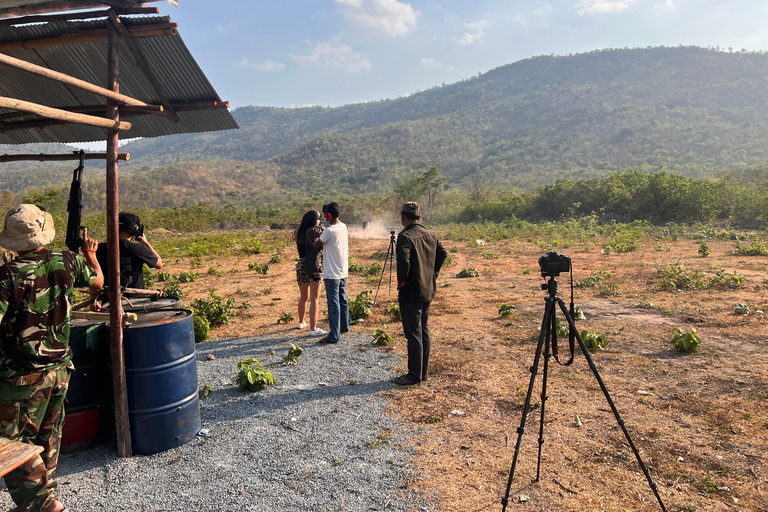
[(415, 317)]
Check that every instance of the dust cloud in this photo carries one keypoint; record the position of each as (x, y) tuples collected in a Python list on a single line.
[(376, 228)]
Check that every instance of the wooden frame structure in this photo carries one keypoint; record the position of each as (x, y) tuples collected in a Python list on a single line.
[(19, 12)]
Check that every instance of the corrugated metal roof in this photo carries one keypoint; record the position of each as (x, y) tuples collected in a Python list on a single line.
[(180, 78)]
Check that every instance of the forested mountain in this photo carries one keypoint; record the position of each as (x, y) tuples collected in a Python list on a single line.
[(686, 110)]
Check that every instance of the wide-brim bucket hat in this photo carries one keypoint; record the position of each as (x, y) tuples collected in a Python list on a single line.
[(27, 227)]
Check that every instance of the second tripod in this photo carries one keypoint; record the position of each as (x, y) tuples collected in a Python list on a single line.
[(547, 340), (388, 258)]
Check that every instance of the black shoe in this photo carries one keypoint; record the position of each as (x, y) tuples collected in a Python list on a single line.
[(324, 340), (345, 332), (405, 380)]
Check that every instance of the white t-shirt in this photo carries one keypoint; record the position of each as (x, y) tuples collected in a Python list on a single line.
[(335, 251)]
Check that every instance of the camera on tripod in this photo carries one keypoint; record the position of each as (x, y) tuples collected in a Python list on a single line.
[(552, 264)]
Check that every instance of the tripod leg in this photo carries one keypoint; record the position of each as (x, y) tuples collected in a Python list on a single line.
[(383, 270), (549, 311), (550, 335), (619, 419)]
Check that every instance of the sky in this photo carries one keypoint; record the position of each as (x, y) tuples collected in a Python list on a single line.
[(294, 53)]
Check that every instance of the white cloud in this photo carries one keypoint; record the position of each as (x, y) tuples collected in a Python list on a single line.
[(475, 31), (430, 63), (267, 67), (384, 17), (602, 6), (333, 54), (535, 17)]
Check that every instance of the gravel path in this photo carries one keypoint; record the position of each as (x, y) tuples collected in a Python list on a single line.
[(318, 440)]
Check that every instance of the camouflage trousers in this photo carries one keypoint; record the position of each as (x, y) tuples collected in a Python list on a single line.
[(32, 411)]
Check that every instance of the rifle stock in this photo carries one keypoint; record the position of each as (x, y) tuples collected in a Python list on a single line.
[(75, 209)]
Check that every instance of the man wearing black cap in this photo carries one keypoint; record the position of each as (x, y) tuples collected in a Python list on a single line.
[(420, 255)]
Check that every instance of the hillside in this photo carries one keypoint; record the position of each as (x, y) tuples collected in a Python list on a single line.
[(686, 110)]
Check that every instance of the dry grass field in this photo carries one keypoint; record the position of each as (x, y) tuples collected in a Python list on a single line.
[(699, 420)]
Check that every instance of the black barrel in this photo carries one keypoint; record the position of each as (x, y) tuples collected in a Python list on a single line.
[(161, 379)]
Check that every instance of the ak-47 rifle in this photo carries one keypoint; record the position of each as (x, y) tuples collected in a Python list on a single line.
[(75, 208)]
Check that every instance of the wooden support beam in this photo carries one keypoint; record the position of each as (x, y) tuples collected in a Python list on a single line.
[(91, 36), (24, 20), (92, 110), (62, 115), (63, 157), (119, 387), (60, 6), (67, 79), (143, 64)]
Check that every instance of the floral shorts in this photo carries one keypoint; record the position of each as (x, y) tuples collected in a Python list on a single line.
[(304, 279)]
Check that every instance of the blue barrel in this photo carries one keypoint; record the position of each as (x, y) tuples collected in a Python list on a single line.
[(161, 379)]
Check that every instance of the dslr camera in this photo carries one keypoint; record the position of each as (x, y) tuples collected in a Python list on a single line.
[(552, 264)]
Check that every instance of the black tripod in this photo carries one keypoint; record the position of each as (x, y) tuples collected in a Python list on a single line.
[(390, 257), (548, 335)]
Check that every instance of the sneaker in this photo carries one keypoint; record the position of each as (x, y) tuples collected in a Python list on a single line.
[(301, 325), (317, 332)]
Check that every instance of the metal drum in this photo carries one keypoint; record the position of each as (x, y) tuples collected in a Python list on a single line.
[(86, 420), (161, 378)]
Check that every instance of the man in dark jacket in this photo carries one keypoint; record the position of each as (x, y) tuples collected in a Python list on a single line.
[(419, 258)]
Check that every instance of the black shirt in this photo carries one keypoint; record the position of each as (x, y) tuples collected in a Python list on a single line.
[(132, 258)]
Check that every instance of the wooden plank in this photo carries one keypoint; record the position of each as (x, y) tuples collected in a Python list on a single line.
[(91, 36), (63, 5), (13, 454), (67, 79), (24, 20), (62, 115), (60, 157)]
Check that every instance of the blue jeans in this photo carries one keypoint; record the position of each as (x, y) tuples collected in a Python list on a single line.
[(338, 308)]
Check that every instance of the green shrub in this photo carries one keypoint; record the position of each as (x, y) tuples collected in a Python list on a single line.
[(593, 340), (260, 268), (685, 341), (393, 308), (213, 272), (704, 250), (149, 278), (216, 311), (292, 359), (506, 310), (468, 272), (599, 277), (202, 328), (252, 376), (722, 279), (355, 267), (360, 308), (188, 277), (675, 277), (162, 276), (380, 337), (285, 318), (275, 259), (374, 270), (755, 248), (172, 289)]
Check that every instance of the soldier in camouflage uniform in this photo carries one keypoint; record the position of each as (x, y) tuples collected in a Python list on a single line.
[(36, 292)]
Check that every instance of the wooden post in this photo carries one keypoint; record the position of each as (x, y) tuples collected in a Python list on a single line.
[(122, 425)]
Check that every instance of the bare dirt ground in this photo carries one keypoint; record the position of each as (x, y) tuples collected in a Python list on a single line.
[(699, 420)]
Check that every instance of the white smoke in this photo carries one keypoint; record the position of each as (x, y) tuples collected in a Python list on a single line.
[(376, 228)]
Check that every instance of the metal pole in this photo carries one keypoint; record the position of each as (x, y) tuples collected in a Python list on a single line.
[(122, 426)]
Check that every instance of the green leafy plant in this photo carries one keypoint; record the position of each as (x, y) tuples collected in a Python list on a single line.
[(742, 309), (448, 260), (593, 340), (380, 337), (172, 289), (393, 308), (252, 376), (374, 270), (162, 276), (675, 277), (704, 250), (360, 308), (506, 310), (285, 318), (468, 272), (275, 259), (578, 314), (755, 248), (722, 279), (213, 272), (685, 341), (292, 359), (594, 279), (561, 328), (260, 268), (215, 310), (149, 278), (489, 255), (201, 326), (205, 391), (188, 277), (356, 267)]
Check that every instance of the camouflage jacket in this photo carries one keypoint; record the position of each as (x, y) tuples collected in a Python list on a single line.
[(36, 292)]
